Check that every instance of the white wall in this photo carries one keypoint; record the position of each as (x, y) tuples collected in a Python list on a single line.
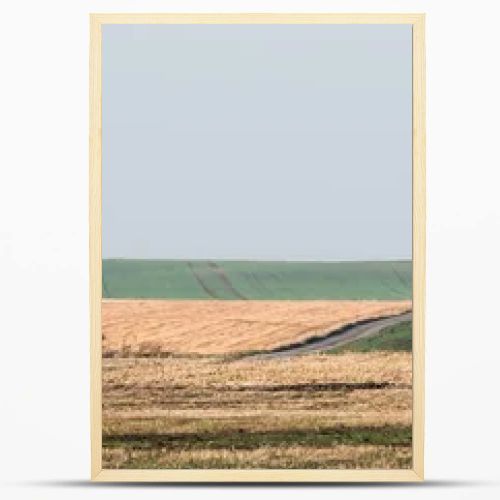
[(44, 448)]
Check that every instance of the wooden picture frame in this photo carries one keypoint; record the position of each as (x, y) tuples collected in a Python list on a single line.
[(231, 475)]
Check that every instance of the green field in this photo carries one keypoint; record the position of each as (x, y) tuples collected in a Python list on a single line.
[(256, 280), (392, 338)]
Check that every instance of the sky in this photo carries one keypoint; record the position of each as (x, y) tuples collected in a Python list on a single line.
[(265, 142)]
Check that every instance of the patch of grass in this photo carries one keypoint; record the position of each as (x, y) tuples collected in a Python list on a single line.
[(393, 338), (383, 435)]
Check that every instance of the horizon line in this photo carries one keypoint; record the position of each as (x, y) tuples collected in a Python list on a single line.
[(400, 259)]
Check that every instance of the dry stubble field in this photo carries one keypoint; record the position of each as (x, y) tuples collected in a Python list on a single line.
[(172, 399)]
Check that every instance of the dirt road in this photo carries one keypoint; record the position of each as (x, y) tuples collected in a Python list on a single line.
[(366, 328)]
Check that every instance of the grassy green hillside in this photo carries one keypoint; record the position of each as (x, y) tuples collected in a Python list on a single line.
[(252, 280)]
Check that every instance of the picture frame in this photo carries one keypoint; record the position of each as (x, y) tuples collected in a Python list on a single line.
[(416, 473)]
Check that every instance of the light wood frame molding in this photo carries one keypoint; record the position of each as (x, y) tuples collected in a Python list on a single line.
[(280, 475)]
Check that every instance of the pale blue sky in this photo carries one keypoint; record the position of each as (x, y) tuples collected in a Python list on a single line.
[(277, 142)]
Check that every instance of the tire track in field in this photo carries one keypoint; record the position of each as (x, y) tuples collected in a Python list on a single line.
[(261, 284), (218, 271), (400, 276), (200, 281), (105, 289)]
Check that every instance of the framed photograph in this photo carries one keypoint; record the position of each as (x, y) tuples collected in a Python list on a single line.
[(257, 247)]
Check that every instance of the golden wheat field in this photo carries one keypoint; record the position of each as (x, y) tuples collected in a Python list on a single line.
[(223, 327), (173, 398)]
